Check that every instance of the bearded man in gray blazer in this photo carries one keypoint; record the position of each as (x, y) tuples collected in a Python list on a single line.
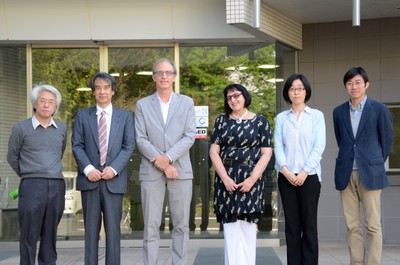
[(165, 125), (102, 182)]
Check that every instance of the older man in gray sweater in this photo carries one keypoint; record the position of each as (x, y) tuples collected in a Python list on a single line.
[(35, 151)]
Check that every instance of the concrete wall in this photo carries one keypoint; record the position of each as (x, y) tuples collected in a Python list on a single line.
[(329, 50), (117, 20)]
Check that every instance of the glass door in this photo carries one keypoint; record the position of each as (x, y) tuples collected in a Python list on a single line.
[(204, 72), (69, 70)]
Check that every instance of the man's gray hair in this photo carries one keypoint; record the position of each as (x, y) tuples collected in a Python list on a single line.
[(43, 87)]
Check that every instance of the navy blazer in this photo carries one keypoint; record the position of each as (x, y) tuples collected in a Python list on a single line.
[(85, 146), (369, 148)]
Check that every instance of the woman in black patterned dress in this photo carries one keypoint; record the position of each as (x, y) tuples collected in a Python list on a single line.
[(240, 151)]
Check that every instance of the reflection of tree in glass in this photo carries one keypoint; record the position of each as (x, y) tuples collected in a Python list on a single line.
[(127, 66), (205, 71), (67, 70)]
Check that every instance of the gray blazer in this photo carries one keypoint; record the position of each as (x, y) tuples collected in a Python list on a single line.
[(85, 146), (174, 138)]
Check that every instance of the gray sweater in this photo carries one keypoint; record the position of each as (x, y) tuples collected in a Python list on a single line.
[(37, 153)]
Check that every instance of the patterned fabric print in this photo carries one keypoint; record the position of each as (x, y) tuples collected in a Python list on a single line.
[(240, 142)]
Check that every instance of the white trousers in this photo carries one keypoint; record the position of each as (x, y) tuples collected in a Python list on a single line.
[(240, 239)]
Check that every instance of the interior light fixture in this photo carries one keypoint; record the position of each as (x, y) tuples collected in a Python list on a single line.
[(144, 73), (118, 74), (275, 80), (84, 89), (233, 68), (268, 66)]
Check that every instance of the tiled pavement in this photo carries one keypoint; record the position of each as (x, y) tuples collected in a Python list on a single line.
[(72, 252)]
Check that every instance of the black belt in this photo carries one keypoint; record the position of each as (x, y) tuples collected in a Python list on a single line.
[(232, 162)]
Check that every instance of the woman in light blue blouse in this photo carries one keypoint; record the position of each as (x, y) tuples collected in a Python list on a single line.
[(299, 141)]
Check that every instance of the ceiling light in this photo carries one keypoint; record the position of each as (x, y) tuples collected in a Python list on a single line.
[(84, 89), (118, 74), (268, 66), (275, 80), (233, 68), (145, 73)]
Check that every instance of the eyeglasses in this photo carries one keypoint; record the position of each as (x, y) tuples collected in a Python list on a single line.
[(161, 73), (356, 83), (49, 102), (297, 89), (234, 96)]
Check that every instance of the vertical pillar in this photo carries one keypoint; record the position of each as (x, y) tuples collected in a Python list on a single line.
[(356, 13), (257, 13)]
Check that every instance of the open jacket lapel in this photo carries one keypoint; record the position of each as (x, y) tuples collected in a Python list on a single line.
[(94, 126), (115, 127), (156, 107), (364, 118), (174, 104), (346, 119)]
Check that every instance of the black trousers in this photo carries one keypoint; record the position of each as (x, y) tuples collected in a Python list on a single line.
[(40, 207), (300, 205)]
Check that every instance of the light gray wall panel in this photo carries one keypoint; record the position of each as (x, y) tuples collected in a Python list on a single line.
[(329, 50), (116, 20)]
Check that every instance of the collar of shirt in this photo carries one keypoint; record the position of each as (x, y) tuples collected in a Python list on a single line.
[(36, 123), (306, 109), (360, 106), (166, 103), (108, 110)]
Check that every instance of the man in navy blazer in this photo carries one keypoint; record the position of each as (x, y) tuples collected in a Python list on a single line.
[(364, 134), (102, 186), (165, 124)]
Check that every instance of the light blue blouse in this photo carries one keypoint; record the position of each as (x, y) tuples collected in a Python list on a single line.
[(299, 144)]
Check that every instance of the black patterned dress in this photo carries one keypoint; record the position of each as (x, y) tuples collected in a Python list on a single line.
[(240, 148)]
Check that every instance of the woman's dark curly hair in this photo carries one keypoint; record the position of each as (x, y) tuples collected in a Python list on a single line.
[(236, 87)]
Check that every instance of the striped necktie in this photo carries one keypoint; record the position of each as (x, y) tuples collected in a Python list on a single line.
[(103, 138)]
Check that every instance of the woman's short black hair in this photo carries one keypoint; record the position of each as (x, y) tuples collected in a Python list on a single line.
[(352, 72), (236, 87), (289, 82)]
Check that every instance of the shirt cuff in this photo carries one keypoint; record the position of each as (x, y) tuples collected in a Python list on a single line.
[(170, 159), (115, 172), (88, 169)]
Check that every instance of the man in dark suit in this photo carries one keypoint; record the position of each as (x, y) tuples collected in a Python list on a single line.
[(165, 124), (102, 177), (364, 134)]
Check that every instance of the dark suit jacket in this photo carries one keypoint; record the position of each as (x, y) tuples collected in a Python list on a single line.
[(85, 146), (370, 147)]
